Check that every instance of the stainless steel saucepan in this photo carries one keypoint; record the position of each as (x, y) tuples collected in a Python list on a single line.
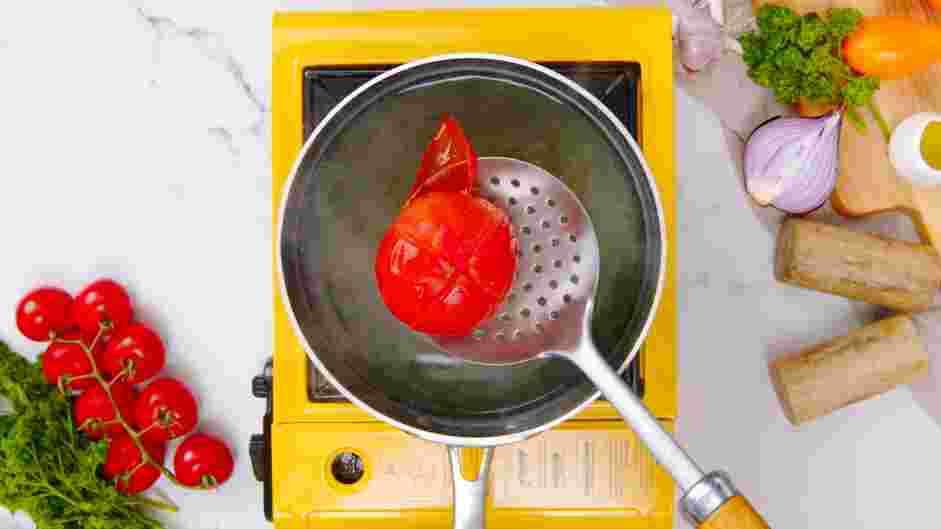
[(602, 242)]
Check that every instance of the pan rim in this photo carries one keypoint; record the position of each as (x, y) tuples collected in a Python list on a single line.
[(481, 441)]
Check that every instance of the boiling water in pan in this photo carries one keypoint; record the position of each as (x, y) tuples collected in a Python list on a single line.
[(361, 183)]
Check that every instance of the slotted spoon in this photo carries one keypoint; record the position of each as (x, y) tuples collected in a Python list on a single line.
[(548, 314)]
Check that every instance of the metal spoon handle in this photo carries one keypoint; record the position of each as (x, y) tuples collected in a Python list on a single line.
[(470, 497), (660, 443), (709, 500)]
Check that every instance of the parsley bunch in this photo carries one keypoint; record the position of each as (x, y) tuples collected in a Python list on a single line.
[(801, 57), (49, 470)]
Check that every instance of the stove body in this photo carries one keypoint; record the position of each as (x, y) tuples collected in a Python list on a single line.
[(324, 462)]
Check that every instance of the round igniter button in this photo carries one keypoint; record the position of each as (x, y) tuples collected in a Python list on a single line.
[(347, 468)]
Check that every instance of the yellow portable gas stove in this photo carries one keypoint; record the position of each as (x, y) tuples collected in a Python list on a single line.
[(324, 462)]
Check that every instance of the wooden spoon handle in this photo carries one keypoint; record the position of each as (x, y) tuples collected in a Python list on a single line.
[(715, 503), (736, 513)]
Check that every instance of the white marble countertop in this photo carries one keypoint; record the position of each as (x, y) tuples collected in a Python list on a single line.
[(134, 144)]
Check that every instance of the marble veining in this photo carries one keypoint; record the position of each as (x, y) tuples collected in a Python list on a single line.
[(212, 46)]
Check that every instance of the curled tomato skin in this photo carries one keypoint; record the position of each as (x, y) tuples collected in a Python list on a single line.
[(448, 164), (446, 263)]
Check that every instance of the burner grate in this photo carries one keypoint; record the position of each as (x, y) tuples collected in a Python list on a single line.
[(614, 84)]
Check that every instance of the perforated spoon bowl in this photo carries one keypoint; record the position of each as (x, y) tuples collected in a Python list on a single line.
[(548, 314)]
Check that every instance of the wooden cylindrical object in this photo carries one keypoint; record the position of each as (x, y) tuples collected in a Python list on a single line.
[(860, 365), (897, 274)]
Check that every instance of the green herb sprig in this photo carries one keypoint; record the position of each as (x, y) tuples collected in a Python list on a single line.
[(801, 57), (47, 468)]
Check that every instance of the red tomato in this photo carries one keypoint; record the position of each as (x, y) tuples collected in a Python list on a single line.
[(102, 302), (446, 263), (67, 360), (44, 313), (448, 164), (124, 456), (136, 348), (203, 461), (166, 409), (93, 409)]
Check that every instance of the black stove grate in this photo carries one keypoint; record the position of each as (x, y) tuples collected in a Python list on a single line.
[(614, 84)]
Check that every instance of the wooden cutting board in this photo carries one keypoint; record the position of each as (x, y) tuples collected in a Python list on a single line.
[(867, 182)]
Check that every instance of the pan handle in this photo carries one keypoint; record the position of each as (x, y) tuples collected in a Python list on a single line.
[(470, 496)]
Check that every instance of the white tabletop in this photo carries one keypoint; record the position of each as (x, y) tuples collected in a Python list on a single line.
[(134, 144)]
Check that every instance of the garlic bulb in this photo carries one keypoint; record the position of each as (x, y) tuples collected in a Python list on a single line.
[(698, 36), (915, 143), (791, 163)]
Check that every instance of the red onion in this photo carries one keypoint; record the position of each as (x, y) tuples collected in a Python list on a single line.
[(791, 163)]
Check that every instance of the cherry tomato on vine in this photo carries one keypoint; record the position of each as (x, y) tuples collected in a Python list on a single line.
[(203, 461), (135, 350), (67, 360), (102, 302), (93, 410), (44, 313), (165, 410), (124, 457), (102, 342)]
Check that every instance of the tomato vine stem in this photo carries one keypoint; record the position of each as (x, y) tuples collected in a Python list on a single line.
[(118, 417)]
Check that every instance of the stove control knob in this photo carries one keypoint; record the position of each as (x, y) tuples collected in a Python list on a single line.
[(256, 451), (260, 386)]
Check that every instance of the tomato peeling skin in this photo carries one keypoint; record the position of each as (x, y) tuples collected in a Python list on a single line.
[(448, 164), (446, 263), (448, 260)]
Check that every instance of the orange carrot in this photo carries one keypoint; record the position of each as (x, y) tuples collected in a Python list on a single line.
[(936, 4), (891, 47)]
